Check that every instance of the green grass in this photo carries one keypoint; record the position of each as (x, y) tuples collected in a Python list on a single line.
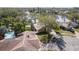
[(43, 37), (77, 30), (66, 33), (28, 28)]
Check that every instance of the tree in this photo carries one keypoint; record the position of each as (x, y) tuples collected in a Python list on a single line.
[(9, 18), (73, 13), (49, 22), (4, 12), (16, 25)]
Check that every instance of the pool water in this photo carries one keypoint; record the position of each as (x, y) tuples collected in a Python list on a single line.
[(9, 35)]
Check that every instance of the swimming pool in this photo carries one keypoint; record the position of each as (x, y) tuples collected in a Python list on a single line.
[(9, 35)]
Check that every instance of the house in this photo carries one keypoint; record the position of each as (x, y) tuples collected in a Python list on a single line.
[(38, 27), (74, 23), (62, 20), (22, 43)]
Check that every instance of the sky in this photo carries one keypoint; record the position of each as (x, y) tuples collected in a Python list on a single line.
[(39, 3)]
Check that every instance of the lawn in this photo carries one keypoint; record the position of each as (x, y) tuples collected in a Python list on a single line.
[(66, 33), (43, 37), (28, 28), (77, 30)]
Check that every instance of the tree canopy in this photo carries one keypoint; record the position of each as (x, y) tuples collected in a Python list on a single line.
[(4, 12), (49, 22), (9, 18), (73, 13)]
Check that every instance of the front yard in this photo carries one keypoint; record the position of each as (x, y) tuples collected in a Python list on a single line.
[(66, 33), (77, 30), (43, 37)]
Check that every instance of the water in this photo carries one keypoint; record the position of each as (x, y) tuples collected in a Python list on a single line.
[(9, 35)]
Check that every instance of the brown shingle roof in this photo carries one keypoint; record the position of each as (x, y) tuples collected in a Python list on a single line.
[(22, 43), (7, 45)]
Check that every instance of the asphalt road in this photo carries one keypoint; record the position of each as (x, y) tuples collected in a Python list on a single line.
[(72, 43)]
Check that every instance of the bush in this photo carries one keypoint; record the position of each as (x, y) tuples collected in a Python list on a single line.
[(16, 25)]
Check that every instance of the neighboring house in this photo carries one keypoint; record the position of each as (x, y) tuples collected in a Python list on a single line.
[(62, 20), (38, 27), (74, 23)]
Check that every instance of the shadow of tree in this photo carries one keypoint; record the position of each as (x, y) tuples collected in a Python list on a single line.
[(59, 42)]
